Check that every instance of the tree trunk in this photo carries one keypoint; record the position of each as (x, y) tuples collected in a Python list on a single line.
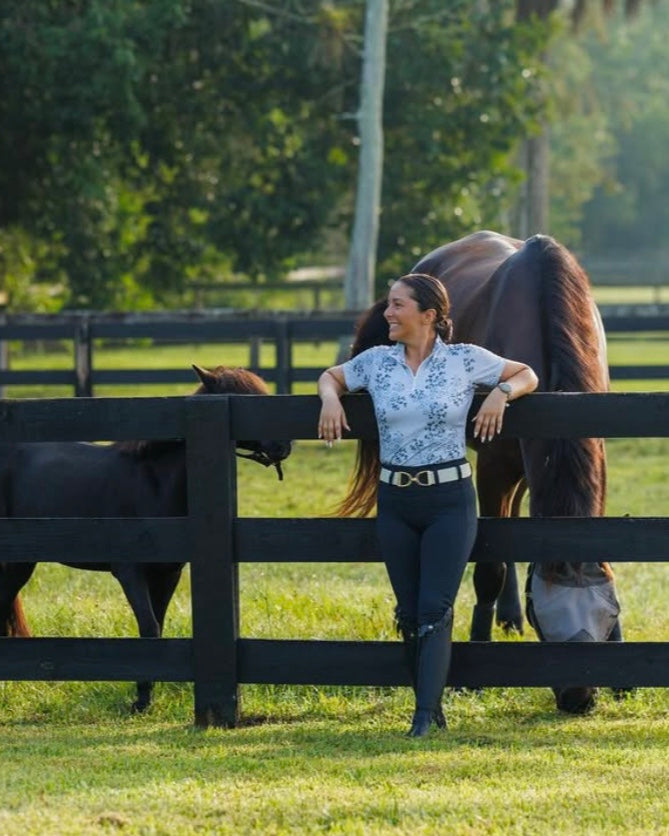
[(533, 215), (359, 282)]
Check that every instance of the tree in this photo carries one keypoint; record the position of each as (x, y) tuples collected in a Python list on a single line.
[(359, 284), (533, 208), (630, 76), (148, 145)]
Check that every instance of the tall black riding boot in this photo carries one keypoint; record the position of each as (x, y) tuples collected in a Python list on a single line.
[(409, 633), (434, 659)]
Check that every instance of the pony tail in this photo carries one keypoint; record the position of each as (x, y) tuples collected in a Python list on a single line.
[(16, 623)]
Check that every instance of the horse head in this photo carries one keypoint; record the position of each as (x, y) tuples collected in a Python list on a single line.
[(224, 380)]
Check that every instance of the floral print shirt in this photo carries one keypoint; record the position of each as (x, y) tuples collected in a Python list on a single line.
[(421, 418)]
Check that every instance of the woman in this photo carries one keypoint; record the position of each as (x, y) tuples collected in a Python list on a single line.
[(422, 388)]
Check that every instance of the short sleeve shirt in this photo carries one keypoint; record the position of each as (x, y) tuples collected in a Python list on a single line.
[(422, 418)]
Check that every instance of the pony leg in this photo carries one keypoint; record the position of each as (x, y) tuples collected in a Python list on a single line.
[(13, 577), (162, 584), (134, 583)]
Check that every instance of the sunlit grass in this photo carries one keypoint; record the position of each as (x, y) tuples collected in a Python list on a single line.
[(308, 759), (631, 295)]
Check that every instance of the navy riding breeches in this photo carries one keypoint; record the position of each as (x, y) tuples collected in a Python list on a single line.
[(426, 534)]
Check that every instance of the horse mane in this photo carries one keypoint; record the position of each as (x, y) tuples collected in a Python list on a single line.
[(573, 482), (222, 380)]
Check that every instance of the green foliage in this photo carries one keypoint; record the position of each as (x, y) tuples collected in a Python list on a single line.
[(629, 210), (145, 146), (580, 137), (460, 96)]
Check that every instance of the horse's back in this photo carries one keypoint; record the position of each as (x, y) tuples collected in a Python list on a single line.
[(466, 265), (528, 300)]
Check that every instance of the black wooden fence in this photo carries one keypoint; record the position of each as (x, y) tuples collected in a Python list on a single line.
[(214, 540), (281, 330)]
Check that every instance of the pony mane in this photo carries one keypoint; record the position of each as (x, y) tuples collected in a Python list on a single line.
[(222, 380)]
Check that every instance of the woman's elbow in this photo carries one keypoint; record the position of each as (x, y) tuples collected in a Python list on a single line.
[(532, 379)]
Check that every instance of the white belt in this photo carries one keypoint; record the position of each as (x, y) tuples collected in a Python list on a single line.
[(426, 477)]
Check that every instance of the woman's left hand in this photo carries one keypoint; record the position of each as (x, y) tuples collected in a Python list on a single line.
[(488, 421)]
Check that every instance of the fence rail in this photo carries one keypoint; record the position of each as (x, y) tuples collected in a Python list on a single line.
[(281, 330), (214, 540)]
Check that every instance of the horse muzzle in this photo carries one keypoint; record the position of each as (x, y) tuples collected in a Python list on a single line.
[(266, 453)]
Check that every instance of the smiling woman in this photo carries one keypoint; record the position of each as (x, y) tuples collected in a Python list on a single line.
[(422, 388)]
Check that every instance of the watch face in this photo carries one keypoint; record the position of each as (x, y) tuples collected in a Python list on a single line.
[(505, 387)]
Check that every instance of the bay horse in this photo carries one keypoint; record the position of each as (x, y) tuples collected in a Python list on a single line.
[(124, 479), (529, 301)]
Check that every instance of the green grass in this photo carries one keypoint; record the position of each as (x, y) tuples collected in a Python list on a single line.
[(631, 295), (310, 760)]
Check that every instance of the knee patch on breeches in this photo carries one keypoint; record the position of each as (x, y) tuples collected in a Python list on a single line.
[(404, 625), (444, 623)]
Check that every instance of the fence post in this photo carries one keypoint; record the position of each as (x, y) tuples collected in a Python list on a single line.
[(83, 350), (4, 346), (212, 508), (284, 383), (254, 354)]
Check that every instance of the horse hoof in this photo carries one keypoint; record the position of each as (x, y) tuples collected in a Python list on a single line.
[(439, 718), (513, 626), (620, 694)]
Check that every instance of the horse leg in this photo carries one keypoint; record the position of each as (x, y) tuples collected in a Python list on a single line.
[(133, 580), (498, 473), (616, 635), (13, 577), (509, 607)]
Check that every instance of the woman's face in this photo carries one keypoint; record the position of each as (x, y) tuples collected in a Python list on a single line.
[(405, 320)]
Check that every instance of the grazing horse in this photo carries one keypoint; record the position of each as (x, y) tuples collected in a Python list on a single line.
[(530, 301), (124, 479)]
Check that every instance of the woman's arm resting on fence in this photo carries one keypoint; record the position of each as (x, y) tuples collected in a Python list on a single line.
[(332, 420), (521, 380)]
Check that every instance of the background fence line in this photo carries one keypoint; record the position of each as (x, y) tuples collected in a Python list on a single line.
[(283, 330), (214, 540)]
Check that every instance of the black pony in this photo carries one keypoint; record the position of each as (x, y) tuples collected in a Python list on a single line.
[(125, 479)]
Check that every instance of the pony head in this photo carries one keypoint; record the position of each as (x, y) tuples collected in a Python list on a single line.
[(224, 380)]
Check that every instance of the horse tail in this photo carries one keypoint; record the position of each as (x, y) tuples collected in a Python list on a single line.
[(573, 482), (16, 622)]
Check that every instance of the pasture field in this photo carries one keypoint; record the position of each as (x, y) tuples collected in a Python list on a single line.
[(630, 349), (311, 760)]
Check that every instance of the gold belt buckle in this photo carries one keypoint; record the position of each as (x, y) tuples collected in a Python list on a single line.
[(424, 478)]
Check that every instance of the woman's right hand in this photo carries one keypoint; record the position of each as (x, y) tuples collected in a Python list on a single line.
[(332, 421)]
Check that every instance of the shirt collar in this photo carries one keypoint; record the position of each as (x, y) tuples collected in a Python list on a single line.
[(397, 351)]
